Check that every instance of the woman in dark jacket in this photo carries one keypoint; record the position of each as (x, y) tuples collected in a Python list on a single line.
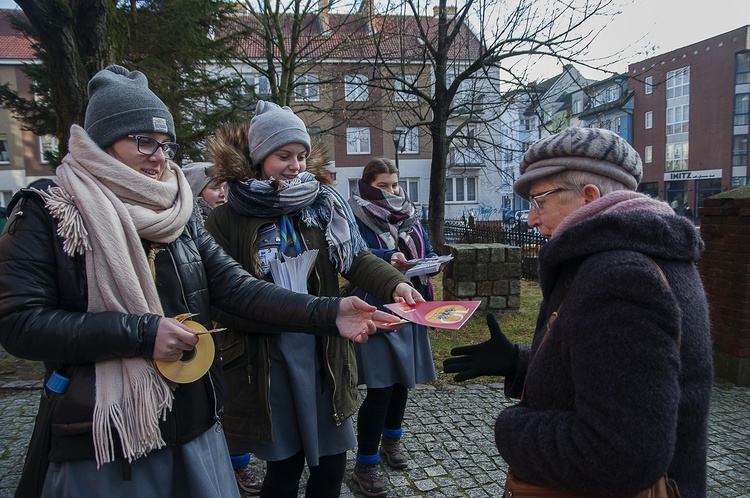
[(290, 398), (617, 382), (390, 364), (90, 271)]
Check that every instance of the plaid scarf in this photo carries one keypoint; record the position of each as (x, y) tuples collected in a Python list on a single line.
[(391, 217), (319, 206)]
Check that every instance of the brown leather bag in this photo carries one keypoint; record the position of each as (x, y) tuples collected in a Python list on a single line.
[(515, 488)]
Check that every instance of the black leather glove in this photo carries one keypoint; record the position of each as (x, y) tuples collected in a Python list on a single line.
[(497, 356)]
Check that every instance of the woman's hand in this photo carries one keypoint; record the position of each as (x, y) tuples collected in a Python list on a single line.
[(356, 319), (405, 293), (399, 262), (173, 339)]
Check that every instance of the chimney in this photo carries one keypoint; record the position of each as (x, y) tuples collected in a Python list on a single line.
[(325, 23), (450, 12), (367, 9)]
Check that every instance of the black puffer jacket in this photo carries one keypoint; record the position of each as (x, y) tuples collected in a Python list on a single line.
[(43, 301)]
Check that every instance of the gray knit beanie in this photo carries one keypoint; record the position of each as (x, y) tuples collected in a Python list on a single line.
[(583, 149), (273, 127), (120, 104), (197, 176)]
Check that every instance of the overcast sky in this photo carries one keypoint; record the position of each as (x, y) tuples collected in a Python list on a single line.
[(650, 27)]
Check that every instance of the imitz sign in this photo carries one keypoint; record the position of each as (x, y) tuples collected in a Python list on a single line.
[(692, 175)]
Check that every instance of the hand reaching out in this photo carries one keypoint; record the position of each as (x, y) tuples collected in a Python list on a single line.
[(405, 293), (356, 319), (496, 356)]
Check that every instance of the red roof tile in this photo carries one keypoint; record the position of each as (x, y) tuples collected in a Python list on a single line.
[(398, 36), (13, 45)]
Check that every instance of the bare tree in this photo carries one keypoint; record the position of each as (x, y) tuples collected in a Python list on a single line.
[(477, 51), (74, 39)]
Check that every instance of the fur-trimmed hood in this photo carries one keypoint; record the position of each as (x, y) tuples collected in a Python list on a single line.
[(229, 153)]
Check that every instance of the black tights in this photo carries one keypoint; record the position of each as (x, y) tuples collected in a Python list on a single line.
[(282, 477), (383, 407)]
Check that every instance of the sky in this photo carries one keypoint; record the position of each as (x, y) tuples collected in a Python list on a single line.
[(656, 26), (661, 26)]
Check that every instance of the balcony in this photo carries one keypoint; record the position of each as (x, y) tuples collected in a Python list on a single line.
[(465, 157)]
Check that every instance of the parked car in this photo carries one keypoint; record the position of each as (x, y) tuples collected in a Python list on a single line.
[(522, 216)]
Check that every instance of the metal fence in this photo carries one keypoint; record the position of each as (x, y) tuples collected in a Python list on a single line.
[(498, 232)]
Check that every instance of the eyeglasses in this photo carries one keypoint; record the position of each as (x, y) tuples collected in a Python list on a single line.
[(534, 199), (148, 146)]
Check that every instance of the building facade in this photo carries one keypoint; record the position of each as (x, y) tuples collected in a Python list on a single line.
[(21, 151), (690, 119)]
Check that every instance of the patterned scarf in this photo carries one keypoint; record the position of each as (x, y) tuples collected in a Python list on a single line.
[(391, 217), (104, 209), (320, 206)]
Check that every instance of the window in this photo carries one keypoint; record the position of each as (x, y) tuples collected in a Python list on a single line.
[(47, 145), (612, 93), (528, 123), (4, 155), (307, 88), (618, 125), (355, 88), (677, 156), (678, 83), (741, 109), (743, 68), (678, 118), (402, 89), (739, 150), (648, 86), (461, 189), (648, 154), (257, 86), (577, 106), (411, 187), (409, 140), (357, 140), (648, 118), (315, 135)]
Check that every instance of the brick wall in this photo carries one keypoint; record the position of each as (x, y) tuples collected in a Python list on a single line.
[(725, 268), (490, 273)]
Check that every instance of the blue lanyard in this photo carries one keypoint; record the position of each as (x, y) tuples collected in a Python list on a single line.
[(288, 235)]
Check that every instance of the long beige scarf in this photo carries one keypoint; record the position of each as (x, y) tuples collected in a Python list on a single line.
[(104, 208)]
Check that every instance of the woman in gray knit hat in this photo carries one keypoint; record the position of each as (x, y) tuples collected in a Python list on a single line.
[(93, 270), (615, 387), (290, 399), (208, 192)]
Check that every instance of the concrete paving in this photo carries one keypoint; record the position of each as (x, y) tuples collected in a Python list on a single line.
[(448, 436)]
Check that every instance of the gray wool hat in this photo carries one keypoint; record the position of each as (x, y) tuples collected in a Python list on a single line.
[(197, 176), (595, 150), (273, 127), (121, 103)]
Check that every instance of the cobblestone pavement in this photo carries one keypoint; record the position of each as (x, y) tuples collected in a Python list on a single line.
[(448, 436)]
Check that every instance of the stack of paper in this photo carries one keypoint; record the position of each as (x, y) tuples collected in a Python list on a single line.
[(292, 273), (425, 266)]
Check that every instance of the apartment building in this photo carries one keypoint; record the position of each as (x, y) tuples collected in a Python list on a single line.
[(341, 101), (606, 104), (350, 101), (690, 119), (21, 152)]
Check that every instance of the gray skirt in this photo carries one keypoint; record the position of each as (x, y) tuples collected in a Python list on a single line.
[(400, 357), (199, 469)]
